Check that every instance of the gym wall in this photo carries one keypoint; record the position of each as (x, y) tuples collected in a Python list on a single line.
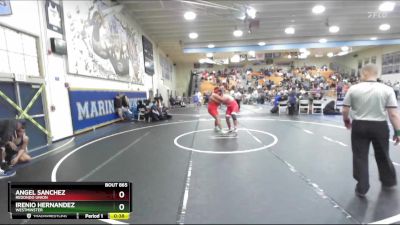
[(57, 70)]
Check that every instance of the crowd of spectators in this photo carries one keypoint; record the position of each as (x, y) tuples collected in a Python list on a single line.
[(178, 101), (151, 109), (307, 82)]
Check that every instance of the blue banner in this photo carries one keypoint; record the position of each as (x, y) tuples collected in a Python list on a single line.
[(91, 108)]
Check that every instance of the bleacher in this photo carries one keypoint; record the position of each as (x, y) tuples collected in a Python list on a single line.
[(249, 80), (207, 86)]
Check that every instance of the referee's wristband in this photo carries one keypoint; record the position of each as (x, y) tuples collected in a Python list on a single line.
[(397, 132)]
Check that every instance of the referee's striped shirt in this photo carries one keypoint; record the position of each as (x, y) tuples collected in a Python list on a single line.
[(368, 100)]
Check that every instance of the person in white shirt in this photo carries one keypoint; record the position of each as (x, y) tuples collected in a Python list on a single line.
[(238, 97), (254, 96), (199, 98), (396, 88), (371, 102)]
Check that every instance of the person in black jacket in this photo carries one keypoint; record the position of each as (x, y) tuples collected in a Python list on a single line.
[(329, 109), (118, 106), (140, 105)]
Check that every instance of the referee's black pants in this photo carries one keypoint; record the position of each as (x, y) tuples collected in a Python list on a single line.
[(362, 134)]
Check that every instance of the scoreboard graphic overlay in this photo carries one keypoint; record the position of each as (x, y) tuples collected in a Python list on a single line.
[(70, 200)]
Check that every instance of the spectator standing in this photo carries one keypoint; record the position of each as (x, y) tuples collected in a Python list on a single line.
[(369, 101), (339, 89), (254, 96), (196, 100), (171, 101), (292, 101), (200, 97), (345, 87), (118, 106)]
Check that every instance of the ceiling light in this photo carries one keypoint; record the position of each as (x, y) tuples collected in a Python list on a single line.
[(211, 46), (345, 48), (384, 27), (373, 38), (261, 43), (334, 29), (193, 35), (387, 6), (237, 33), (251, 12), (290, 30), (209, 55), (323, 40), (330, 54), (318, 9), (189, 15)]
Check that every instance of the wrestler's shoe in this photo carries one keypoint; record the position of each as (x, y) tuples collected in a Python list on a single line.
[(234, 130)]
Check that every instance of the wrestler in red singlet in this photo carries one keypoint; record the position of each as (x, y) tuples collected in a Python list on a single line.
[(231, 111), (213, 105)]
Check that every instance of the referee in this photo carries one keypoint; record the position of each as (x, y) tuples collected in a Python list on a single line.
[(369, 101)]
